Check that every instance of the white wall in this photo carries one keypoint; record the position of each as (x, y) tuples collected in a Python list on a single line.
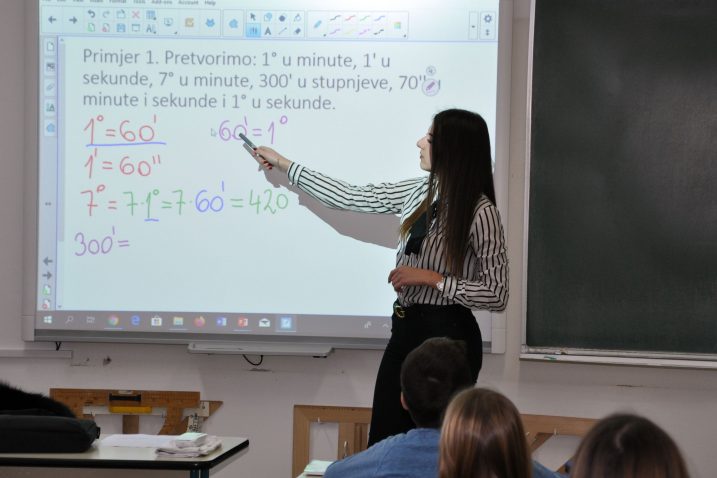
[(258, 404)]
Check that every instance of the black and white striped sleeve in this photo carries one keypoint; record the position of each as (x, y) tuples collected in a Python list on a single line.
[(488, 286), (384, 198)]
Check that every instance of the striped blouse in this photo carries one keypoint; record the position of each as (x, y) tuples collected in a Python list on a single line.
[(483, 283)]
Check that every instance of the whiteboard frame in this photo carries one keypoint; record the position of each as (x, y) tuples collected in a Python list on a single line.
[(493, 342), (501, 175)]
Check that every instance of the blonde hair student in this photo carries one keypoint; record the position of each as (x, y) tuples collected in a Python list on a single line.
[(628, 446), (483, 437)]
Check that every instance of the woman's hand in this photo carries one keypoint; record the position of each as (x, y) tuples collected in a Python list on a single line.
[(268, 158), (405, 276)]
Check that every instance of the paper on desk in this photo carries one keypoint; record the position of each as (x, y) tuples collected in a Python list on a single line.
[(210, 444), (316, 467), (557, 450), (139, 440)]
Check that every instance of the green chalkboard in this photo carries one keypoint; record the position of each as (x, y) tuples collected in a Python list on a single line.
[(622, 234)]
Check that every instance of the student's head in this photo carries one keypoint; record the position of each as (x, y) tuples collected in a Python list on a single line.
[(628, 446), (431, 374), (483, 437)]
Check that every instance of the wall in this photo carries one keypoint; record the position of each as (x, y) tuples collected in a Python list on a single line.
[(258, 401)]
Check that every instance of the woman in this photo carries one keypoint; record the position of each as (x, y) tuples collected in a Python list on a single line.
[(451, 255), (483, 437), (628, 446)]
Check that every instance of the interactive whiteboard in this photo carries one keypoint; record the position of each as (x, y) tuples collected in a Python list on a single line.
[(155, 224)]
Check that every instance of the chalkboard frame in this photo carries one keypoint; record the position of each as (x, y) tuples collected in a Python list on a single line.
[(576, 348)]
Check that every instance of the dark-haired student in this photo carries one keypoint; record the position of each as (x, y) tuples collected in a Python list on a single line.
[(451, 255), (628, 446), (432, 373), (430, 376)]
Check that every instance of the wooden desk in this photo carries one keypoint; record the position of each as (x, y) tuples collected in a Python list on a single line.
[(129, 458)]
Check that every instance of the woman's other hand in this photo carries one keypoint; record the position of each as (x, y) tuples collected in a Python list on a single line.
[(404, 276)]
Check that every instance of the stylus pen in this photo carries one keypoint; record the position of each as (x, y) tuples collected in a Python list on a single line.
[(251, 150), (247, 140)]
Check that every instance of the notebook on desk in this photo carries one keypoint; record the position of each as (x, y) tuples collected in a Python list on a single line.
[(316, 467)]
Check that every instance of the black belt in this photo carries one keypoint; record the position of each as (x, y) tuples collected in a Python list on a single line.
[(401, 311)]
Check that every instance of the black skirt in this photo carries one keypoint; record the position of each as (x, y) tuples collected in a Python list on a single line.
[(410, 327)]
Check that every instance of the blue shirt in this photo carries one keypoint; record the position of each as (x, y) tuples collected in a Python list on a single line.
[(406, 455), (539, 471), (412, 454)]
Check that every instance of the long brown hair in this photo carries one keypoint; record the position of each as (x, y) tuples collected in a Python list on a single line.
[(461, 172), (483, 437), (628, 446)]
